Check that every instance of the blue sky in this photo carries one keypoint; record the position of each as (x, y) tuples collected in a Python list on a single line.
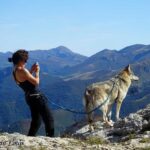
[(85, 26)]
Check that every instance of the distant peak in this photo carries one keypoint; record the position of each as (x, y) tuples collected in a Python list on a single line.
[(61, 49), (104, 50), (107, 51), (132, 47)]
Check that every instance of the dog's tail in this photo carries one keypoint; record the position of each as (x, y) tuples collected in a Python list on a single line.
[(88, 103), (86, 99)]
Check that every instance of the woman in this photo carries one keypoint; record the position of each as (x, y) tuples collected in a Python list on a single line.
[(35, 99)]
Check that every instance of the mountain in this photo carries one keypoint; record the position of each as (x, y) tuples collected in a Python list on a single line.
[(64, 80), (55, 59), (51, 61), (3, 58), (112, 59)]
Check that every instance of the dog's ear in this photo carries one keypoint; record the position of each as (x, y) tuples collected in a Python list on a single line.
[(128, 68)]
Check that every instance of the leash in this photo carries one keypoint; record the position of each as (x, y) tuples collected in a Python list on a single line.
[(81, 112)]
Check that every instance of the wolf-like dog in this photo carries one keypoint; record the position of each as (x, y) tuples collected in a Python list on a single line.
[(108, 92)]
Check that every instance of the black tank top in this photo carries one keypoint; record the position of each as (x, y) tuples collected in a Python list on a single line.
[(27, 86)]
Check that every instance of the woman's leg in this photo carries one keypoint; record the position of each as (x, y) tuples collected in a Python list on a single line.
[(47, 118), (36, 121), (48, 121)]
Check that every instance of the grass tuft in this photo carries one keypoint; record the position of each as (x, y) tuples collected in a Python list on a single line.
[(95, 141), (145, 140)]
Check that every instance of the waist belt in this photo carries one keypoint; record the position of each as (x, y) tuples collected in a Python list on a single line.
[(32, 94)]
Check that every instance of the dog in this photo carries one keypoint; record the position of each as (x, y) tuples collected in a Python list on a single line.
[(106, 94)]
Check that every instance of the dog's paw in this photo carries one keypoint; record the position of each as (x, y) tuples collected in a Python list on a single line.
[(91, 128), (118, 119), (109, 124), (112, 122)]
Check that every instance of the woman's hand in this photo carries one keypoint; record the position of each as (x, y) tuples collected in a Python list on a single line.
[(33, 68), (37, 68)]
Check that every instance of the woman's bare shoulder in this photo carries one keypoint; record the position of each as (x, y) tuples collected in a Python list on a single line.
[(22, 70)]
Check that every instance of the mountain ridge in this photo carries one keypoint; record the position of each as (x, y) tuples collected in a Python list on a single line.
[(111, 59), (67, 88), (51, 60)]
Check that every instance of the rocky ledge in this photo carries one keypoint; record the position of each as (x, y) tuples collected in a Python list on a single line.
[(132, 132)]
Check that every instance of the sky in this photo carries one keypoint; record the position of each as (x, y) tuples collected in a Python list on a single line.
[(84, 26)]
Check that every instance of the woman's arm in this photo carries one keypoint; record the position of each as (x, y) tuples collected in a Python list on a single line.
[(28, 76)]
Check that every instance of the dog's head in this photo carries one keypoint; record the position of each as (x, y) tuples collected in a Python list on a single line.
[(131, 74)]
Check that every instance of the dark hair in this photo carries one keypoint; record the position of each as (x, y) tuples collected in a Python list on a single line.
[(20, 55)]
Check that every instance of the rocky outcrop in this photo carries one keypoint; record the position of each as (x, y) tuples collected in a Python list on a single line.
[(21, 142), (134, 128), (135, 123), (132, 132)]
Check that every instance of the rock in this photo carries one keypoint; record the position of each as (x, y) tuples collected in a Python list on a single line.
[(134, 123), (21, 142), (132, 132), (132, 128)]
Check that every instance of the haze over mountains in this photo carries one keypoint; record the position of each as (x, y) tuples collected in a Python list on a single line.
[(65, 74)]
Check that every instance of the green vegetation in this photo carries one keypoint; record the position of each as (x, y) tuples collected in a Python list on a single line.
[(42, 148), (95, 140), (76, 143), (145, 140), (21, 148), (131, 136), (146, 148)]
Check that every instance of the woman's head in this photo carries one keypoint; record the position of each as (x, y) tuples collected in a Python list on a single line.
[(20, 56)]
